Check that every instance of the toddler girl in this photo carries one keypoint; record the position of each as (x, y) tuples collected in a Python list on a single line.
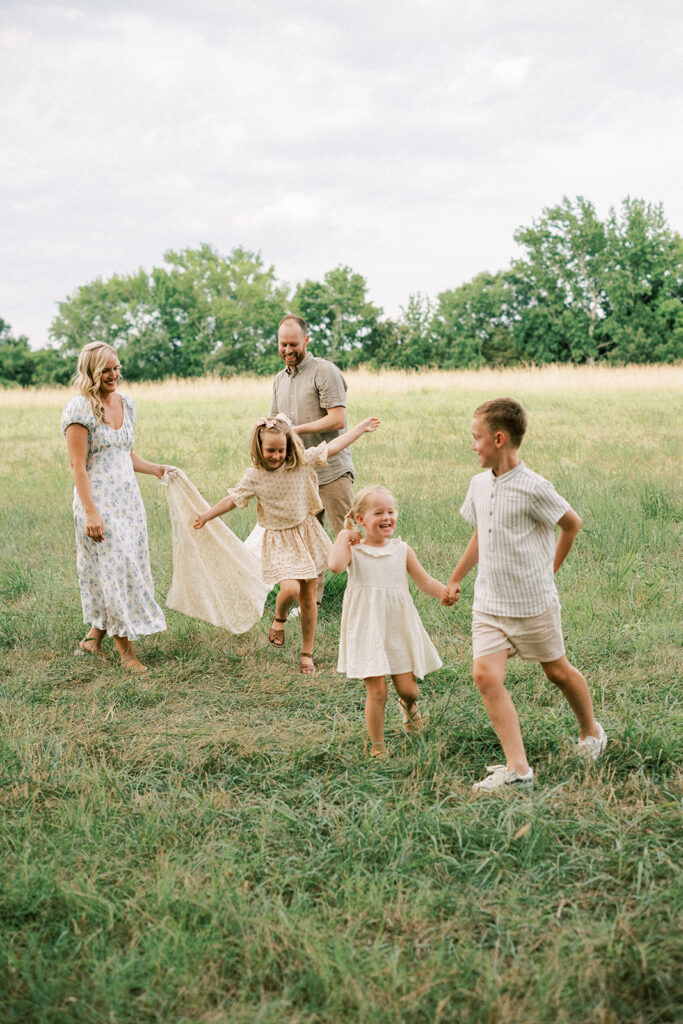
[(381, 631), (295, 546)]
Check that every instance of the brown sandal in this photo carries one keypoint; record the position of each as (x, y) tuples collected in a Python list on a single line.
[(307, 670), (276, 637), (413, 720)]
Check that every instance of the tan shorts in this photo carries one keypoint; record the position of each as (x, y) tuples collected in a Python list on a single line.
[(534, 638)]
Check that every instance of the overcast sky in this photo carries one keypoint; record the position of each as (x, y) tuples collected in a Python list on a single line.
[(404, 138)]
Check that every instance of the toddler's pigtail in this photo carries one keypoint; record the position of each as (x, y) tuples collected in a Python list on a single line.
[(349, 521)]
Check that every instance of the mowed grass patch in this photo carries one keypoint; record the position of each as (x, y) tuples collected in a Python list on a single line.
[(212, 843)]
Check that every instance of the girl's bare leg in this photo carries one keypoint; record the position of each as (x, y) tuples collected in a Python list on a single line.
[(408, 691), (489, 675), (287, 595), (129, 659), (92, 643), (375, 704), (308, 605)]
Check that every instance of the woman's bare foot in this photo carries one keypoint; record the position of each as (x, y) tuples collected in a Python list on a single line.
[(131, 663), (129, 659), (92, 645)]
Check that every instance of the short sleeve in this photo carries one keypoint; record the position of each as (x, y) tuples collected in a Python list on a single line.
[(330, 385), (468, 511), (547, 506), (78, 410), (316, 456), (243, 491), (130, 406)]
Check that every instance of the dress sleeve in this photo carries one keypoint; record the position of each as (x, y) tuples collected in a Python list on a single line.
[(78, 410), (316, 456), (243, 491), (130, 406)]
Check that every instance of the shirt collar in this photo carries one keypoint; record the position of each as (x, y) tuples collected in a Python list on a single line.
[(507, 476), (293, 370)]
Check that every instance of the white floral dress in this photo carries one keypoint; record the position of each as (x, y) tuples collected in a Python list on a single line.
[(117, 591), (294, 545), (381, 630)]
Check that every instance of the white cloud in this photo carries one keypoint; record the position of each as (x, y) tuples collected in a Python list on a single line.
[(407, 140)]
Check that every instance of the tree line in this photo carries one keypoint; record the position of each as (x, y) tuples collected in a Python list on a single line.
[(583, 290)]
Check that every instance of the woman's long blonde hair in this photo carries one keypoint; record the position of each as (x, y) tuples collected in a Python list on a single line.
[(88, 376), (279, 424), (361, 502)]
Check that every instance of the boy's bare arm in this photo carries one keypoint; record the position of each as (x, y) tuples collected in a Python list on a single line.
[(467, 562), (569, 525)]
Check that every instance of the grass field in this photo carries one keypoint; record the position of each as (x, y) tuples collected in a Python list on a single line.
[(211, 843)]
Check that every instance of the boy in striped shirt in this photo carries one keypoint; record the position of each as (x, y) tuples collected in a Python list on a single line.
[(516, 609)]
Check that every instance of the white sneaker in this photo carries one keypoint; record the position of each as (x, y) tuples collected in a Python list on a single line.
[(593, 746), (500, 776)]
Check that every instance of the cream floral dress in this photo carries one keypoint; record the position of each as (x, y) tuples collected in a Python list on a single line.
[(294, 546), (117, 591)]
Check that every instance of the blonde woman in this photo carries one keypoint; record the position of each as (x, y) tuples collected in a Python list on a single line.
[(112, 557)]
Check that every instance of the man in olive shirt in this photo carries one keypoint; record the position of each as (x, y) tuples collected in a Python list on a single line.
[(312, 392)]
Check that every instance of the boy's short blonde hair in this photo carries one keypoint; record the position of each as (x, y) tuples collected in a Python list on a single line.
[(504, 414), (361, 502), (279, 424)]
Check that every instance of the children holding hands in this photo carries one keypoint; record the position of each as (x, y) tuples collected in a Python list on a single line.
[(381, 632), (516, 609), (295, 546)]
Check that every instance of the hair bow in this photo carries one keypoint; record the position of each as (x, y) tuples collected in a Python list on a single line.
[(271, 422)]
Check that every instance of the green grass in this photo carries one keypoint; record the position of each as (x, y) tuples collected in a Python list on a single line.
[(211, 843)]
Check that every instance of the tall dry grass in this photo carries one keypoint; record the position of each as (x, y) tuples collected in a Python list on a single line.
[(556, 377)]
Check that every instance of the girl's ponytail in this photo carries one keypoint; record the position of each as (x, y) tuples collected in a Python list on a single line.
[(349, 520)]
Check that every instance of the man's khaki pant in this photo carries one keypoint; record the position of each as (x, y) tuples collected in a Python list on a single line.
[(337, 499)]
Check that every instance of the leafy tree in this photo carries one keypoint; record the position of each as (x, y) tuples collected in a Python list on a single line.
[(560, 294), (16, 359), (52, 367), (343, 323), (645, 285), (471, 323), (410, 341), (245, 306), (201, 311)]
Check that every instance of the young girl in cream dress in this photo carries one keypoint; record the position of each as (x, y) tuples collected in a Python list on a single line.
[(381, 631), (294, 552)]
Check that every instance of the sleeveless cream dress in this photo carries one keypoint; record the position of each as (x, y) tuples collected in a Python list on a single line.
[(381, 630)]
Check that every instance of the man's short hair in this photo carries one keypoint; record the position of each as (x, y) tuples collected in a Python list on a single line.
[(299, 320), (504, 414)]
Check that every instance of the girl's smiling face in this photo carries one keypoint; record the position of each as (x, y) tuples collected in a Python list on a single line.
[(379, 518), (274, 448)]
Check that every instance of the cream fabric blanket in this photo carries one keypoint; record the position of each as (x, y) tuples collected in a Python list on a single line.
[(215, 577)]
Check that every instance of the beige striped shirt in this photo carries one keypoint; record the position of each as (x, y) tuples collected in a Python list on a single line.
[(514, 515)]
